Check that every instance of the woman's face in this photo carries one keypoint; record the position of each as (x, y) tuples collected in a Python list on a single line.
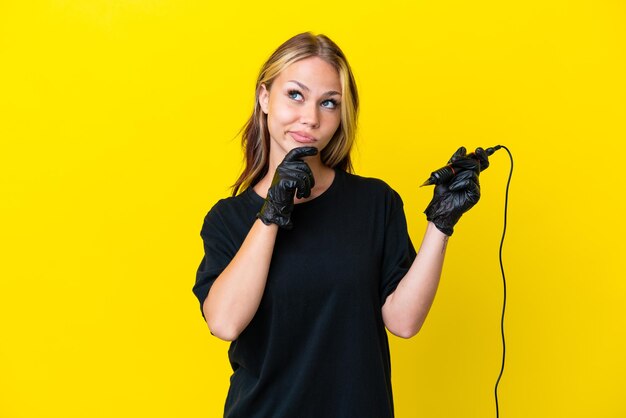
[(303, 106)]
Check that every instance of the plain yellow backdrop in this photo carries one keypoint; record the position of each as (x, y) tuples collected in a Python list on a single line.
[(118, 130)]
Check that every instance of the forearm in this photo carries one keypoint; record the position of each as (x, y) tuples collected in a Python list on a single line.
[(406, 308), (236, 293)]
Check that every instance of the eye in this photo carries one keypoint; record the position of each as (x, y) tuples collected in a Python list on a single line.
[(330, 104), (293, 93)]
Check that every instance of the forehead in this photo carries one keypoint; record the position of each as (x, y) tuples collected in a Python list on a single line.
[(313, 72)]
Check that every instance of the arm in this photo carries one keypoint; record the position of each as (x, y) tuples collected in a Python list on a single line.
[(406, 308), (236, 293)]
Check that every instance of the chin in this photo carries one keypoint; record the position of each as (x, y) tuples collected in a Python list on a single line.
[(289, 144), (295, 144)]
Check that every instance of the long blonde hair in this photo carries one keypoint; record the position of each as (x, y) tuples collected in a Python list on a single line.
[(255, 139)]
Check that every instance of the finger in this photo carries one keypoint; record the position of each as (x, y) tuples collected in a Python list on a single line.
[(473, 192), (465, 164), (303, 193), (299, 174), (300, 152), (304, 187), (462, 180), (440, 190), (288, 184), (461, 152), (483, 158), (292, 184), (301, 170), (305, 184), (306, 170), (299, 177)]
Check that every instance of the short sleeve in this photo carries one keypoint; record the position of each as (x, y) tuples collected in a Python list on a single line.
[(398, 250), (217, 254)]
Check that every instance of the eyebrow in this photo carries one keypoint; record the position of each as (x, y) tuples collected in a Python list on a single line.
[(303, 87)]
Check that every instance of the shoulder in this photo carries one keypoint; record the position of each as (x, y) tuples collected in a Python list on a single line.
[(246, 199), (227, 203), (233, 209), (374, 187), (371, 198)]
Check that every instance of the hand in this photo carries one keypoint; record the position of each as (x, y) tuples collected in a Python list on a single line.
[(293, 177), (453, 199)]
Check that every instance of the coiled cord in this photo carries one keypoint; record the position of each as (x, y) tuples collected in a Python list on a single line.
[(506, 206)]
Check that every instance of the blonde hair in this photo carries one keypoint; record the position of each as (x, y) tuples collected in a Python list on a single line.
[(255, 139)]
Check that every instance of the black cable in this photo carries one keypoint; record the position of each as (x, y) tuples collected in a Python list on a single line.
[(506, 205)]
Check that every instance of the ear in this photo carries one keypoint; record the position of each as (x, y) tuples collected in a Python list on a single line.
[(264, 98)]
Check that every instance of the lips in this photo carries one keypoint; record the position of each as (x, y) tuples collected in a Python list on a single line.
[(302, 137)]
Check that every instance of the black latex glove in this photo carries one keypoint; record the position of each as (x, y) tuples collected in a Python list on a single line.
[(453, 199), (293, 177)]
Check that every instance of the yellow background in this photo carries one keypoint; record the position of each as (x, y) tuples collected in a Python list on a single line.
[(117, 127)]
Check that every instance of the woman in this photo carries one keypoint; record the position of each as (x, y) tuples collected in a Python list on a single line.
[(305, 268)]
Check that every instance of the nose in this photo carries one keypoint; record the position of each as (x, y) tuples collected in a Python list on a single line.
[(310, 115)]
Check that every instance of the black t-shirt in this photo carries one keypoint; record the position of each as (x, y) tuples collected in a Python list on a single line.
[(317, 345)]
